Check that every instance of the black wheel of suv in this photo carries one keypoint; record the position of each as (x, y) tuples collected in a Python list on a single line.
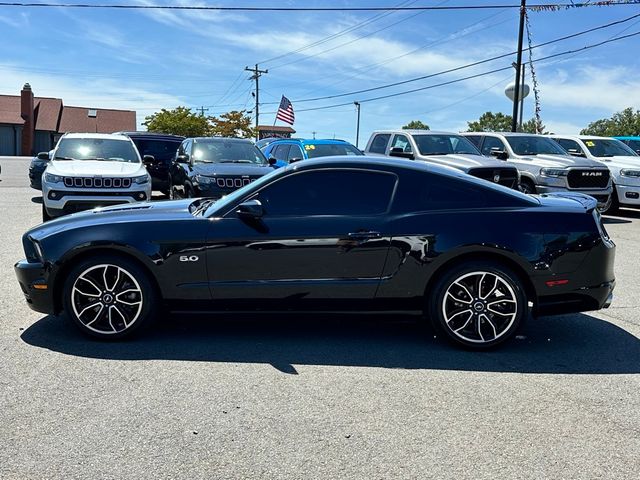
[(45, 216), (109, 297), (188, 192), (527, 186), (614, 203), (478, 305)]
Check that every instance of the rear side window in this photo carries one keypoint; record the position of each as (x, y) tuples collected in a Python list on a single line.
[(379, 143), (329, 192), (475, 139)]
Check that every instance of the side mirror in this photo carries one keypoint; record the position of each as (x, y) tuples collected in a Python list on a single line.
[(251, 209), (43, 156), (295, 159), (638, 151), (576, 153), (499, 154), (272, 160), (148, 160), (182, 158), (399, 152)]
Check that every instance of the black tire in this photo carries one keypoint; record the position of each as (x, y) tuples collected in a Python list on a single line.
[(45, 216), (459, 310), (101, 310), (614, 206), (527, 186), (188, 192)]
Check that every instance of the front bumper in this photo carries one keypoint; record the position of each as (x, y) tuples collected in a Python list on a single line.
[(60, 201), (628, 195), (32, 278)]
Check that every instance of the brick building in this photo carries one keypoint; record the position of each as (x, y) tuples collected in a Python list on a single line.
[(31, 124)]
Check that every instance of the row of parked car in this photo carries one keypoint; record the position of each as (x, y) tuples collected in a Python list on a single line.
[(88, 170)]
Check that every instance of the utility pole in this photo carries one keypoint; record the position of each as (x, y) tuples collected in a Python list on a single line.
[(256, 76), (518, 67), (357, 104), (202, 110), (314, 135)]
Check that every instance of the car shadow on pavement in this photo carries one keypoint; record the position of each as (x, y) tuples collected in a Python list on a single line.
[(577, 344), (37, 200)]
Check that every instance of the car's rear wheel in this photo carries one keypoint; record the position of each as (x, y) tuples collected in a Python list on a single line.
[(614, 204), (109, 297), (478, 304)]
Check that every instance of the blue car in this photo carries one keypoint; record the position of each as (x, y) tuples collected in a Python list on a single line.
[(288, 150), (633, 142)]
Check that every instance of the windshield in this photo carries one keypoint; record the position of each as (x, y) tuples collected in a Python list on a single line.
[(221, 151), (534, 145), (315, 150), (608, 148), (444, 145), (96, 149), (164, 150)]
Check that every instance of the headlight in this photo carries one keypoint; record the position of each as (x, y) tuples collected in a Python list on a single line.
[(51, 178), (202, 180), (141, 179), (554, 172), (630, 173)]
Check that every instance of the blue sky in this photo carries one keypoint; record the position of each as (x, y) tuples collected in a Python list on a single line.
[(148, 60)]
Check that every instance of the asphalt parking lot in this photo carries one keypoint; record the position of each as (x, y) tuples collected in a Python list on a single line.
[(315, 397)]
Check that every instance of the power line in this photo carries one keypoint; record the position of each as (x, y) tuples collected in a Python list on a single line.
[(539, 6), (337, 34), (450, 82), (461, 67)]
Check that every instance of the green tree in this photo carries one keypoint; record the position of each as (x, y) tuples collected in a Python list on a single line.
[(232, 124), (179, 121), (626, 122), (416, 125), (499, 122)]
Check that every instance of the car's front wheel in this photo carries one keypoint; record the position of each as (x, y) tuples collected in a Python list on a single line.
[(478, 304), (109, 297)]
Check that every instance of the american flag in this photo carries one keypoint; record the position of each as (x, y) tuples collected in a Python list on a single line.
[(285, 111)]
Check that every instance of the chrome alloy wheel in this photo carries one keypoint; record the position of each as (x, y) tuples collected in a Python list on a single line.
[(106, 299), (479, 307)]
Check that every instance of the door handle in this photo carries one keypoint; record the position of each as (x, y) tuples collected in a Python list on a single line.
[(364, 235)]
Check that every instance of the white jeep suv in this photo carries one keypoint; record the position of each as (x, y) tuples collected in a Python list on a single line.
[(622, 161), (87, 170), (545, 166)]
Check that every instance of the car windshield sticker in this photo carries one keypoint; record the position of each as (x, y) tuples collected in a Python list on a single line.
[(309, 147), (590, 143)]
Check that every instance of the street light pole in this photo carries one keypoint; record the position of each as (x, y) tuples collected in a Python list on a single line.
[(516, 97), (357, 104)]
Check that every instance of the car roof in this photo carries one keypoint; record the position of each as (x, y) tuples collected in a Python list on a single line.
[(312, 141), (104, 136), (507, 134), (220, 139), (628, 137), (584, 137), (163, 136), (414, 132)]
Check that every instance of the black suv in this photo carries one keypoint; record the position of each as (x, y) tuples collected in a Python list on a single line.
[(162, 147), (215, 166)]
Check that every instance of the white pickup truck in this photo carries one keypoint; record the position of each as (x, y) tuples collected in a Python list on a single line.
[(86, 170), (442, 148), (620, 159)]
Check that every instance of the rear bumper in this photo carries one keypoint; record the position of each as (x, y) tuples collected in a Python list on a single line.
[(603, 196), (32, 278)]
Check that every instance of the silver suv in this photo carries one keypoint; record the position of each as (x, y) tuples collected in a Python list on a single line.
[(442, 148), (545, 166)]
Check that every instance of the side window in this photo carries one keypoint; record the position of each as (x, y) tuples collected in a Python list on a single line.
[(401, 141), (379, 143), (181, 148), (353, 192), (475, 139), (281, 151), (569, 144), (492, 142), (295, 152)]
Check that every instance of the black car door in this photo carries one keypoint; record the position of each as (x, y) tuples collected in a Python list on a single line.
[(324, 236)]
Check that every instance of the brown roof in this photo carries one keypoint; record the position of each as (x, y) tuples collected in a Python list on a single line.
[(276, 128), (47, 112), (77, 119), (10, 110)]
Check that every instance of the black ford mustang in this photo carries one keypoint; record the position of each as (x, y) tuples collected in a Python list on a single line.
[(330, 234)]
